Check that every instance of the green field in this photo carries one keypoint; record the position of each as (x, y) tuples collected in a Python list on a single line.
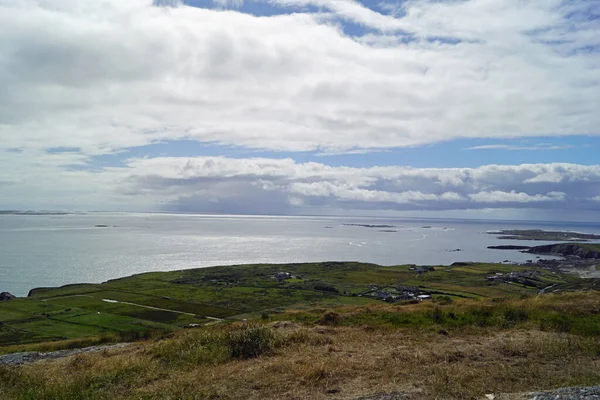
[(591, 246), (166, 301)]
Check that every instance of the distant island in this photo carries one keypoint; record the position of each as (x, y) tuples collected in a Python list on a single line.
[(372, 226), (17, 212), (539, 234)]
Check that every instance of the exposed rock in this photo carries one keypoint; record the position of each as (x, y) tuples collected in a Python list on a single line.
[(5, 296), (576, 393), (33, 356), (573, 393), (509, 247), (566, 249)]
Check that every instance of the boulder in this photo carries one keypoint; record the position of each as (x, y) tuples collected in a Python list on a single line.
[(5, 296)]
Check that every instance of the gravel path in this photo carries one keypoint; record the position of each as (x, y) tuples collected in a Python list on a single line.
[(33, 356)]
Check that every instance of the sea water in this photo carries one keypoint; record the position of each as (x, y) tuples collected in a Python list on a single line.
[(53, 250)]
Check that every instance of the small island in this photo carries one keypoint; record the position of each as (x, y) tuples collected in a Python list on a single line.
[(372, 226)]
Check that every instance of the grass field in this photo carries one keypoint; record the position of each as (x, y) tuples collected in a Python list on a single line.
[(161, 302), (591, 246), (445, 349)]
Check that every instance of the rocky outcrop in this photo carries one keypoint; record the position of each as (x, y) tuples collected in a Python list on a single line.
[(573, 393), (31, 357), (5, 296), (509, 247), (566, 249)]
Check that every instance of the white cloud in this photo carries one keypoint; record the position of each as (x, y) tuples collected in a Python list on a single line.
[(264, 185), (105, 76), (520, 147), (513, 197), (206, 182)]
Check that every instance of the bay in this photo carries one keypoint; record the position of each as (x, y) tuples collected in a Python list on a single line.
[(53, 250)]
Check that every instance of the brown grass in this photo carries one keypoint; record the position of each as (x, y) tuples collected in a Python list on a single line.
[(329, 362)]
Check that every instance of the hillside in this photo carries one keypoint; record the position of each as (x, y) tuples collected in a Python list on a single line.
[(155, 303), (445, 349)]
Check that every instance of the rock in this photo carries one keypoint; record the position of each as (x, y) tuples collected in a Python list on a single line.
[(509, 247), (5, 296), (572, 393), (30, 357), (566, 249)]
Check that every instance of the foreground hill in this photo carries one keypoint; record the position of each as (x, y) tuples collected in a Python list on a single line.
[(336, 330), (443, 349)]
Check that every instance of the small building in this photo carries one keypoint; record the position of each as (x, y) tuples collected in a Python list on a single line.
[(385, 296), (424, 297)]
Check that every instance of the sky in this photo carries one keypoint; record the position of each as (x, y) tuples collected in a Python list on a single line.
[(465, 108)]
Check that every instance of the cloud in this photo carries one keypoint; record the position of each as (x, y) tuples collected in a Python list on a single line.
[(107, 76), (513, 147), (514, 197), (243, 185)]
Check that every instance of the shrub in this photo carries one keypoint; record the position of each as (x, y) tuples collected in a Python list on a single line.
[(443, 300), (325, 288), (251, 341), (330, 318), (513, 316), (437, 315), (481, 316)]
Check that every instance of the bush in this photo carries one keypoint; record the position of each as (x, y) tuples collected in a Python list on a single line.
[(329, 318), (325, 288), (443, 300), (481, 316), (437, 315), (513, 316), (251, 341)]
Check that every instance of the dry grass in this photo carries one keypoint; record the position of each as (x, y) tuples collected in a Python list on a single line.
[(329, 362)]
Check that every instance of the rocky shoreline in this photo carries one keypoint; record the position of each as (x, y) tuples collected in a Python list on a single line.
[(574, 258), (561, 249)]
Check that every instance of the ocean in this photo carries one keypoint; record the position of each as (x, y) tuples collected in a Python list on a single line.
[(54, 250)]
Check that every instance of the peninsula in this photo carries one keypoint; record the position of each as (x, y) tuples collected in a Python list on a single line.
[(539, 234)]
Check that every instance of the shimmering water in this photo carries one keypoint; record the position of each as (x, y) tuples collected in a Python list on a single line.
[(50, 250)]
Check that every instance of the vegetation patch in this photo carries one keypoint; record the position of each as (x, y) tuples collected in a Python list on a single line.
[(167, 301)]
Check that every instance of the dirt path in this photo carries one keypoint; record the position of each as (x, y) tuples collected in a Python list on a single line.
[(214, 319), (160, 309)]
